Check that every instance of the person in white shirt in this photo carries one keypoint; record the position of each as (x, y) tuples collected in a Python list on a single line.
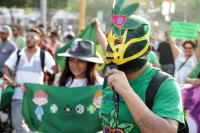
[(184, 60), (69, 31), (81, 65), (28, 69)]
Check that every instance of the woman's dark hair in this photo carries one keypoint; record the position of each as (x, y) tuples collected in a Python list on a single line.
[(70, 37), (190, 42), (91, 73)]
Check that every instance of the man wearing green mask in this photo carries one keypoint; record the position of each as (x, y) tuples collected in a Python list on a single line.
[(128, 48)]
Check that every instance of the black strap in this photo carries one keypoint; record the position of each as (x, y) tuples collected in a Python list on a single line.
[(198, 76), (152, 89), (42, 58), (18, 57), (183, 64), (105, 82)]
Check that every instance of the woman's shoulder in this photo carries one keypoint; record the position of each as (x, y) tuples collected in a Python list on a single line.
[(99, 81)]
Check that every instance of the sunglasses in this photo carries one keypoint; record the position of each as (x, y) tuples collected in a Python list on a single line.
[(51, 36), (107, 129), (32, 37), (117, 20), (190, 48)]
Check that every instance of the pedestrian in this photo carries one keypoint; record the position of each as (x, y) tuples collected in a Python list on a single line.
[(128, 48), (55, 44), (194, 76), (19, 40), (68, 38), (165, 56), (49, 77), (6, 46), (184, 60), (69, 31), (30, 68), (81, 65)]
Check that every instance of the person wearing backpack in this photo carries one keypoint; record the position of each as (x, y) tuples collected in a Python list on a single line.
[(123, 105), (30, 63)]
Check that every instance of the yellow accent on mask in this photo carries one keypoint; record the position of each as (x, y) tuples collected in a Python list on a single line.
[(117, 55)]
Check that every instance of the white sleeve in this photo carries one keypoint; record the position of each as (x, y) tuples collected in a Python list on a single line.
[(49, 61), (99, 81), (12, 60), (180, 55)]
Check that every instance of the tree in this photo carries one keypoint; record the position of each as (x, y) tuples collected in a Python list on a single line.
[(52, 6)]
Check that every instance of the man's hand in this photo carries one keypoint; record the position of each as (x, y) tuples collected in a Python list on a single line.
[(24, 89), (196, 81), (118, 80), (95, 21), (5, 83), (14, 83)]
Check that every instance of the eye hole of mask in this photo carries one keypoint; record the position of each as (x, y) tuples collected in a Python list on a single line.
[(118, 41)]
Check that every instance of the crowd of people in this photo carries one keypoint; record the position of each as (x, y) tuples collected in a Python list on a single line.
[(131, 50)]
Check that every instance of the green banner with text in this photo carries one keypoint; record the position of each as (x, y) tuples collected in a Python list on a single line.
[(184, 30)]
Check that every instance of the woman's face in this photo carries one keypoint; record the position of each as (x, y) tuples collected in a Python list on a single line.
[(78, 67), (188, 50)]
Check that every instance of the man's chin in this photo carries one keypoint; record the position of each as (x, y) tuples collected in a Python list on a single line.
[(30, 46)]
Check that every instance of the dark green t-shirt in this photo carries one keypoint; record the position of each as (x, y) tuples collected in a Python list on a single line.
[(167, 103)]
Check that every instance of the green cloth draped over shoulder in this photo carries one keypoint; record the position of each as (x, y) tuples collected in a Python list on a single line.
[(66, 110)]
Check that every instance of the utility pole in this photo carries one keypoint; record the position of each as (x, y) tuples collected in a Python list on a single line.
[(82, 15), (197, 11), (43, 10)]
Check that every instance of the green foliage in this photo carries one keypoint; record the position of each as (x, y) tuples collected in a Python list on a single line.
[(51, 4)]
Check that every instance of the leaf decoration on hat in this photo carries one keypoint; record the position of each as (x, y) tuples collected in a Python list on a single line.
[(119, 18)]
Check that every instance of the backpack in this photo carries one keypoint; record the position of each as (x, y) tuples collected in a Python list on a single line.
[(42, 57), (151, 91)]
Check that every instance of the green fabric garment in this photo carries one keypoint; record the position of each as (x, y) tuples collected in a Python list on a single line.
[(68, 110), (195, 71), (100, 51), (88, 34), (19, 41), (6, 96), (153, 58), (167, 103)]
